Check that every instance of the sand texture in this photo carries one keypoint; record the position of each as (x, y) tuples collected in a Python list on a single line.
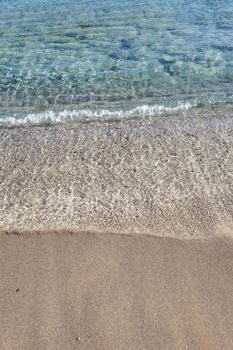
[(102, 292), (170, 177), (117, 236)]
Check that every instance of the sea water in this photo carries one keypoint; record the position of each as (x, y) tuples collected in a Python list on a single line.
[(71, 60)]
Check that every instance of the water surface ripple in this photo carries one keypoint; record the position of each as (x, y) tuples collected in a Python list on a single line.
[(113, 56)]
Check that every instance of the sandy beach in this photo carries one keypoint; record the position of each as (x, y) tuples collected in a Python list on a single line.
[(168, 177), (117, 236), (88, 291), (116, 175)]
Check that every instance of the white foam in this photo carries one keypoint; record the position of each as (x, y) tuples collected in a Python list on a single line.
[(54, 117)]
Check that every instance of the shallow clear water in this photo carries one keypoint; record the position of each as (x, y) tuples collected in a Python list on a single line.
[(68, 59)]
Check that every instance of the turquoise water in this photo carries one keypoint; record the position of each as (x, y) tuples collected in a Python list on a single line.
[(67, 60)]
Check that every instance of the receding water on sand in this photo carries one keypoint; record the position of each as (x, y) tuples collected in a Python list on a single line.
[(171, 176)]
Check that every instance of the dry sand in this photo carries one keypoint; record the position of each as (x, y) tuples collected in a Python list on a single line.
[(88, 291)]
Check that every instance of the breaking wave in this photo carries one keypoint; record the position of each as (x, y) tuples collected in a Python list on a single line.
[(69, 116)]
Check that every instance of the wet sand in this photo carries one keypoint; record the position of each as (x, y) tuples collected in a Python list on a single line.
[(88, 291), (169, 177), (117, 236)]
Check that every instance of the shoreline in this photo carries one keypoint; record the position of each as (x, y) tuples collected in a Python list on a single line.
[(70, 116)]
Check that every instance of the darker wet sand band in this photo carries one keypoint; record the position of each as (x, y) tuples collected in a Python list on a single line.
[(102, 292), (170, 177)]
